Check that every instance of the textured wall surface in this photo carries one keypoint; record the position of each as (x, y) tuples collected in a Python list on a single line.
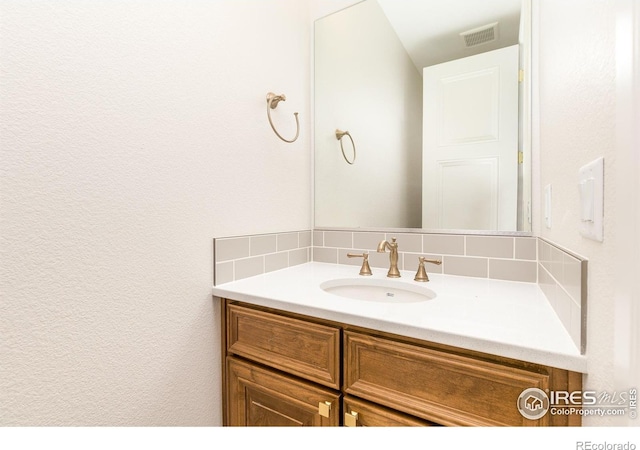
[(577, 91), (132, 133)]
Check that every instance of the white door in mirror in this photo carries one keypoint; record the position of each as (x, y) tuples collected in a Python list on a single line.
[(470, 142)]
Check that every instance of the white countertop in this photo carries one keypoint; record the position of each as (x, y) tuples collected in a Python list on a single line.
[(504, 318)]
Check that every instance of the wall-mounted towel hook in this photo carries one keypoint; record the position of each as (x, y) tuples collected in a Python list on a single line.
[(272, 103), (339, 135)]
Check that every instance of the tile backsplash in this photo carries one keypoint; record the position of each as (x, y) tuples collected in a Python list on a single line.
[(499, 257), (561, 275), (245, 256)]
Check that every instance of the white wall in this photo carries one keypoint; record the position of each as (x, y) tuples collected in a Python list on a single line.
[(132, 133), (626, 352), (322, 8), (577, 124)]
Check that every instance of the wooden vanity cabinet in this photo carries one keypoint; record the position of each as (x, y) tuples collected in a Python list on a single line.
[(284, 369)]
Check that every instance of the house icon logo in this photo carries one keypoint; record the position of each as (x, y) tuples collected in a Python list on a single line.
[(533, 403)]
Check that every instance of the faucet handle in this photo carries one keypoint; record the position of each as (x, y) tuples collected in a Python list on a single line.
[(365, 270), (421, 275)]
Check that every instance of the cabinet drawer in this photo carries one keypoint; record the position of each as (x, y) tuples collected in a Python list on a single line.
[(446, 388), (373, 415), (308, 350)]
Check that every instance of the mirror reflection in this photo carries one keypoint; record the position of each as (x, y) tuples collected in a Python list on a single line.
[(428, 93)]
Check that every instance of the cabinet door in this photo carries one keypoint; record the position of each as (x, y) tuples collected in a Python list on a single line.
[(262, 397), (360, 413)]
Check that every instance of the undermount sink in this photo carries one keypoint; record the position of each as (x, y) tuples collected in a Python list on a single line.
[(376, 290)]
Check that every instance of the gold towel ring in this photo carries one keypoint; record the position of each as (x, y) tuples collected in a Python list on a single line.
[(339, 135), (272, 103)]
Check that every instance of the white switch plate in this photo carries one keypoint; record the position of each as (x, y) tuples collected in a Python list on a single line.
[(591, 208)]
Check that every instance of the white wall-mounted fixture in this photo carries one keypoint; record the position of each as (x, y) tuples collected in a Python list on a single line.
[(591, 187), (547, 205)]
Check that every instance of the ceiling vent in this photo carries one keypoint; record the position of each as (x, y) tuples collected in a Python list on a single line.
[(480, 35)]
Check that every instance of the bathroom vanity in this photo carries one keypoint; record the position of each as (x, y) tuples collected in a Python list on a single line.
[(294, 354)]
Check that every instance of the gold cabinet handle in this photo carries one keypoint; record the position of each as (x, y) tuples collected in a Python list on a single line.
[(324, 409), (351, 419)]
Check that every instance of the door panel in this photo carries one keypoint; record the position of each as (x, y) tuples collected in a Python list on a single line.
[(469, 107), (464, 208), (470, 157)]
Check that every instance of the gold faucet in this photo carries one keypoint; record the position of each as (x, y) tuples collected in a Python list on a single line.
[(366, 269), (421, 275), (393, 256)]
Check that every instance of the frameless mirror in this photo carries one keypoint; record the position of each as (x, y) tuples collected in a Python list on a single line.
[(422, 116)]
